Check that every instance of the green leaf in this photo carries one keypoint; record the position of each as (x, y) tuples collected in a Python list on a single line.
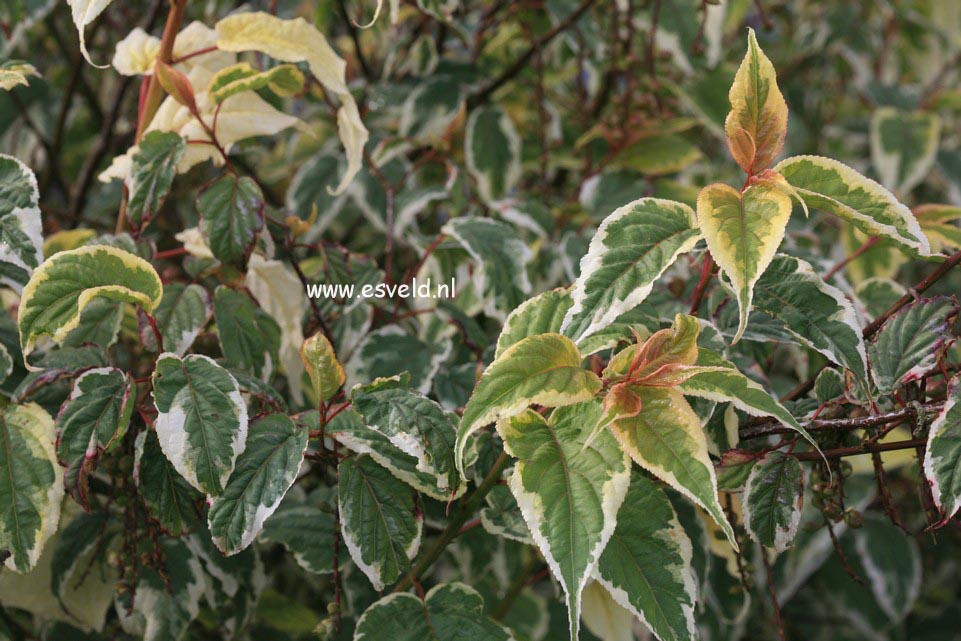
[(646, 565), (543, 369), (349, 429), (449, 611), (154, 166), (202, 420), (729, 385), (65, 284), (569, 492), (667, 440), (772, 501), (757, 124), (6, 363), (171, 500), (892, 564), (231, 215), (743, 232), (819, 315), (939, 223), (413, 423), (72, 554), (631, 249), (91, 421), (165, 604), (31, 484), (325, 371), (658, 154), (910, 343), (903, 146), (307, 532), (502, 516), (501, 257), (431, 107), (542, 314), (264, 472), (249, 337), (837, 189), (942, 456), (99, 324), (180, 317), (379, 520), (21, 244), (283, 80), (492, 149)]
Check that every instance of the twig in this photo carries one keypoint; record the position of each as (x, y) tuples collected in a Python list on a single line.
[(707, 269), (773, 594), (835, 424), (355, 37), (855, 450)]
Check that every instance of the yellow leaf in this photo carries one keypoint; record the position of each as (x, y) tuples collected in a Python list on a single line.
[(743, 232), (298, 41), (757, 124)]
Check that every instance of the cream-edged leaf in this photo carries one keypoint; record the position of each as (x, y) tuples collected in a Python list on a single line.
[(631, 249), (543, 369), (492, 149), (903, 146), (542, 314), (942, 456), (773, 498), (21, 242), (569, 493), (85, 12)]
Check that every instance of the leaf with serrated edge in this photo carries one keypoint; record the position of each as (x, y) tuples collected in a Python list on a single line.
[(646, 565), (667, 440), (939, 222), (181, 315), (542, 314), (264, 472), (449, 611), (630, 251), (85, 12), (543, 369), (202, 419), (65, 284), (153, 167), (773, 498), (816, 313), (757, 124), (910, 343), (603, 616), (379, 520), (231, 216), (743, 232), (91, 420), (837, 189), (569, 494), (903, 146), (31, 484), (21, 242), (168, 496), (325, 371), (942, 456), (727, 384), (306, 532)]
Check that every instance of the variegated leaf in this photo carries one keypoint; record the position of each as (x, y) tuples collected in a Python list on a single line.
[(568, 492), (172, 502), (631, 249), (942, 456), (324, 370), (21, 245), (492, 149), (940, 224), (542, 314), (903, 146), (773, 498), (182, 314)]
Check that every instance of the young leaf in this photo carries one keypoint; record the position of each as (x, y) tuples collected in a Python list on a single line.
[(31, 484), (66, 283), (85, 12), (743, 232), (903, 146), (379, 519), (298, 41), (631, 249), (502, 257), (773, 498), (542, 314), (449, 611), (942, 456), (182, 314), (264, 472), (667, 440), (492, 149), (283, 80), (13, 73), (202, 420), (939, 222), (249, 338), (757, 124), (909, 344), (569, 494), (817, 314), (177, 85), (94, 417), (325, 371), (168, 496), (154, 166), (21, 245), (543, 369), (837, 189), (646, 565), (411, 422), (231, 215), (727, 384)]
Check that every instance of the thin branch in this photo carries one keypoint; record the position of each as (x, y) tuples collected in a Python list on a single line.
[(842, 424), (856, 450)]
